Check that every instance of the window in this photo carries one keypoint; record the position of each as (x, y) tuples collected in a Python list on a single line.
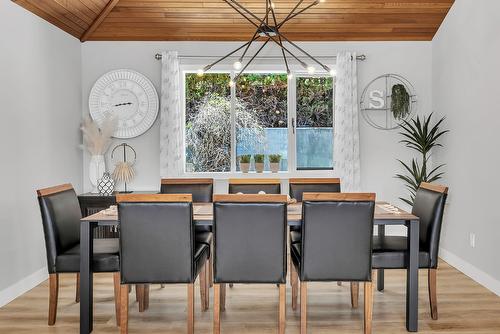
[(264, 113), (314, 123)]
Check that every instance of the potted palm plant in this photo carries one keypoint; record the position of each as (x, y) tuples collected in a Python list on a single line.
[(274, 162), (259, 162), (245, 162), (421, 136)]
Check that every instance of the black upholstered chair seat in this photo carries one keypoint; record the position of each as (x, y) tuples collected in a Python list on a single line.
[(201, 255), (390, 252), (106, 257), (295, 235), (203, 237)]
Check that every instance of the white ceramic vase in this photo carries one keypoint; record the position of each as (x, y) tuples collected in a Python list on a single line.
[(275, 167), (259, 167), (244, 167), (97, 167)]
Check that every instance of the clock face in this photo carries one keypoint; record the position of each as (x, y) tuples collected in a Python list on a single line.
[(127, 95)]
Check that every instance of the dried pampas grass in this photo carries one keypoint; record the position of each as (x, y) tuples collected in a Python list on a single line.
[(97, 140), (124, 172)]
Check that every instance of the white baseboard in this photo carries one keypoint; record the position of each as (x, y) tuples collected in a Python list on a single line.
[(470, 270), (15, 290)]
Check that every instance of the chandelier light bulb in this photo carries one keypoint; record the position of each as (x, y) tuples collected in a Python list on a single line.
[(237, 65), (200, 72), (311, 69), (231, 83), (289, 75), (333, 72)]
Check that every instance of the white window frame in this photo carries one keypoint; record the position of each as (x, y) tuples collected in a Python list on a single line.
[(291, 115)]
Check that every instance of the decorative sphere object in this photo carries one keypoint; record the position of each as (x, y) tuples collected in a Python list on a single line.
[(106, 185)]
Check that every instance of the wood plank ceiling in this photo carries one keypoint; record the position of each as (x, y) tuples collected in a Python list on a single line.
[(214, 20)]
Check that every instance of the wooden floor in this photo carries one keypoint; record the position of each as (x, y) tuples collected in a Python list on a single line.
[(464, 307)]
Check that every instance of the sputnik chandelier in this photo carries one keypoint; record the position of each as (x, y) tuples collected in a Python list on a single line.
[(269, 28)]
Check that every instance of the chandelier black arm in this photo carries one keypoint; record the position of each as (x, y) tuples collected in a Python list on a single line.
[(251, 59), (291, 12), (277, 32), (281, 42), (254, 36), (288, 18), (206, 68), (265, 32)]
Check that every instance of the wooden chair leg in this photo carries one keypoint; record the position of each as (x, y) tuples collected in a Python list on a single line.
[(207, 285), (354, 294), (117, 289), (124, 291), (190, 308), (139, 295), (368, 294), (303, 308), (339, 283), (217, 307), (53, 296), (223, 297), (203, 287), (294, 280), (77, 295), (432, 282), (231, 285), (282, 310), (146, 296), (162, 286)]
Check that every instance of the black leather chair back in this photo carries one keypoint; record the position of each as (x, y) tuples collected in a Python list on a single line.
[(313, 185), (250, 238), (61, 216), (337, 236), (249, 186), (429, 205), (156, 238), (201, 189)]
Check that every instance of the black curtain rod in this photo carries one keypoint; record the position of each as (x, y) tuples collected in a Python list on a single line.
[(158, 57)]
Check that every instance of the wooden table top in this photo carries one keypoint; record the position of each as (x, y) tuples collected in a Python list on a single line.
[(204, 212)]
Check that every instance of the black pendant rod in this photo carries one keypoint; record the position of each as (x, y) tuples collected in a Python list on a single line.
[(298, 13), (291, 12), (281, 42), (253, 39)]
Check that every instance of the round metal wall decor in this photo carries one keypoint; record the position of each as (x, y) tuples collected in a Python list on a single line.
[(388, 100), (128, 95)]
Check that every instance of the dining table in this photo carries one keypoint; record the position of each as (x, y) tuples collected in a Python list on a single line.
[(385, 214)]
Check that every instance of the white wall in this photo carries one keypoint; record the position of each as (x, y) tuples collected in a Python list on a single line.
[(379, 149), (466, 71), (40, 95)]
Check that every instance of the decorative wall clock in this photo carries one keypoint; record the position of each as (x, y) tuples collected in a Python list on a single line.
[(129, 96)]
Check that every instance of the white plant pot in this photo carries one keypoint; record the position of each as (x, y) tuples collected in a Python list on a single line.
[(275, 167), (259, 167), (244, 167), (97, 167)]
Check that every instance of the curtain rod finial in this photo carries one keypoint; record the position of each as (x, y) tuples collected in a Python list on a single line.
[(158, 56)]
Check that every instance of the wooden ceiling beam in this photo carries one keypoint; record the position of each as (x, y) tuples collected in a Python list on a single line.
[(97, 22)]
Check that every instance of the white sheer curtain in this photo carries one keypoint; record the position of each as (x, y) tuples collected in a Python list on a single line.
[(171, 161), (346, 129)]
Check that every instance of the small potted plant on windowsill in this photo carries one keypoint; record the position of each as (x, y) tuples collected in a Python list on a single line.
[(259, 162), (245, 162), (274, 162)]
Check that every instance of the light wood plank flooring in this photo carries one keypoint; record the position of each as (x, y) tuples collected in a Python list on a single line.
[(464, 307)]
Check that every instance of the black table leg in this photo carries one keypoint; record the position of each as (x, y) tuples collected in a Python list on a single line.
[(412, 277), (380, 272), (86, 284)]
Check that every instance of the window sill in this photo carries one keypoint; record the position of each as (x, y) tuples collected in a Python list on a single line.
[(263, 175)]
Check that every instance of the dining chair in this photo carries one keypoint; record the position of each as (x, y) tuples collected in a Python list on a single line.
[(254, 186), (249, 246), (61, 214), (390, 252), (336, 245), (157, 246), (202, 191), (298, 186)]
